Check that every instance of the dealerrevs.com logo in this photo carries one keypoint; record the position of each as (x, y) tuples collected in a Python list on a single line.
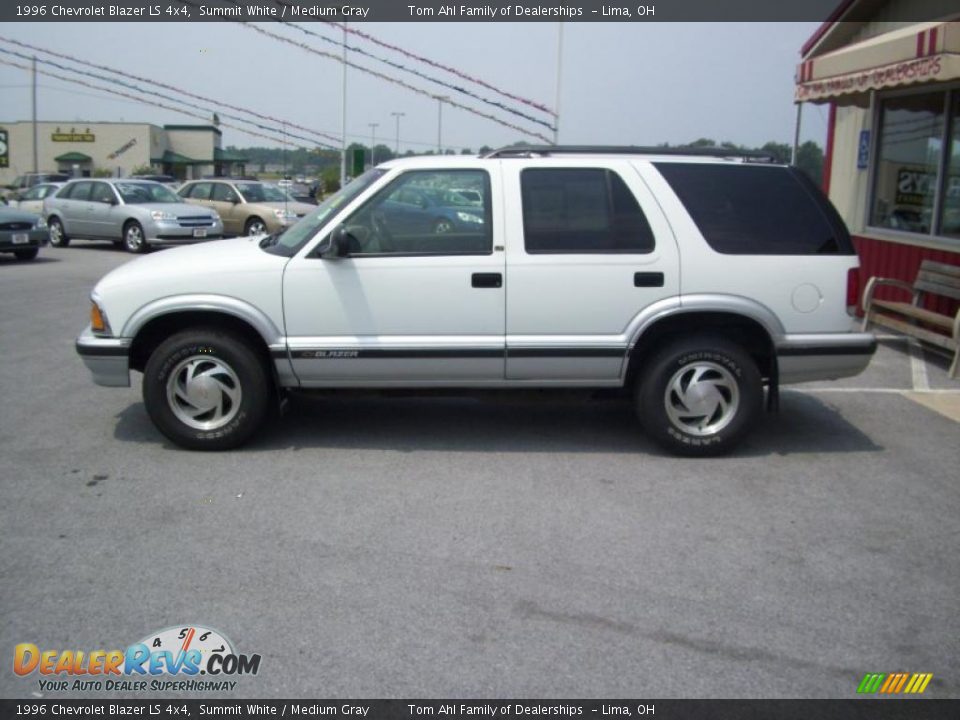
[(185, 658)]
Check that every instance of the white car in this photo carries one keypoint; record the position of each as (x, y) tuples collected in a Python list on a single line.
[(693, 283), (31, 200)]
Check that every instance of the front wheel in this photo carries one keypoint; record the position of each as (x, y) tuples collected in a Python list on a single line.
[(134, 240), (206, 390), (699, 396), (255, 226)]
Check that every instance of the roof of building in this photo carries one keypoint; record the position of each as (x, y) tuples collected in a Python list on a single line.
[(221, 155), (174, 158), (205, 128)]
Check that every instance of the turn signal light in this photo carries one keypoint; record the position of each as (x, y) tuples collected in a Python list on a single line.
[(97, 322)]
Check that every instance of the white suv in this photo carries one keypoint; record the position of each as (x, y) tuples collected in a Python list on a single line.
[(691, 281)]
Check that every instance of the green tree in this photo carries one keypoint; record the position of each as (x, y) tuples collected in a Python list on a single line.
[(810, 160)]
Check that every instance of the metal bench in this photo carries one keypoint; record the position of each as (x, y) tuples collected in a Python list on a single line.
[(909, 318)]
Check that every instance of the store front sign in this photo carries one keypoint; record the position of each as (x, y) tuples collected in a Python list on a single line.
[(73, 136)]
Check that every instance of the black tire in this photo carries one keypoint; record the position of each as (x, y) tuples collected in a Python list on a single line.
[(187, 360), (134, 241), (58, 237), (254, 225), (26, 253), (699, 396)]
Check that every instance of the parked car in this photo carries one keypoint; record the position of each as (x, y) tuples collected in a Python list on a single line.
[(133, 214), (22, 233), (28, 180), (169, 180), (32, 200), (415, 209), (690, 283), (302, 193), (246, 207)]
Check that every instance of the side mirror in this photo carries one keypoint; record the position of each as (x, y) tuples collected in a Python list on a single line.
[(337, 244)]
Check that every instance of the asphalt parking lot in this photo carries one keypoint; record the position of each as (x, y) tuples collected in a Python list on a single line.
[(449, 547)]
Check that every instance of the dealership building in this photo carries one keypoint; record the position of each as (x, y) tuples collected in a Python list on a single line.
[(83, 149), (892, 161)]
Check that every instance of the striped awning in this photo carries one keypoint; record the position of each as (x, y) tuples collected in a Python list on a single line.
[(921, 53)]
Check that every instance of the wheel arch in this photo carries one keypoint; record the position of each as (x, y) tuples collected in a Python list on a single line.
[(753, 335), (149, 327)]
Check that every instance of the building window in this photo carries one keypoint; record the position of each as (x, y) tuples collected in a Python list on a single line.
[(916, 185)]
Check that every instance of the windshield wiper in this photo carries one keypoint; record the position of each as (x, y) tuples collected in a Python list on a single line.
[(271, 239)]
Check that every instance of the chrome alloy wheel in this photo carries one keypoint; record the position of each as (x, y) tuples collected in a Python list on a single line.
[(256, 227), (702, 398), (204, 392), (133, 237), (56, 233)]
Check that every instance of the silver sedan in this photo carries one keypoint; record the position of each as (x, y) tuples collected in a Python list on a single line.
[(131, 213)]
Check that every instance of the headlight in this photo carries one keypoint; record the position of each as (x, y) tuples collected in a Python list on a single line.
[(469, 218), (285, 214), (40, 224), (162, 215), (98, 320), (215, 217)]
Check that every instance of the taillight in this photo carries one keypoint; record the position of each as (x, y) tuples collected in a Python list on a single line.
[(853, 291)]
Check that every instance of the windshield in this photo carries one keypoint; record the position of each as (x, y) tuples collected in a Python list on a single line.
[(296, 236), (142, 193), (261, 192)]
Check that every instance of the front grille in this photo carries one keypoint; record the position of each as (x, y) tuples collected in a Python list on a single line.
[(192, 221), (16, 226)]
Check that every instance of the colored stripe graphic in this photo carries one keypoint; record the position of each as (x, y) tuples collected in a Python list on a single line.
[(894, 683)]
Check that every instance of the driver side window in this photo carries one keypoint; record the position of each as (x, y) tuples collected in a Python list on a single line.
[(417, 214)]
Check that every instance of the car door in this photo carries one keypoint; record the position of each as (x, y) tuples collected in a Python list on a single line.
[(588, 250), (226, 201), (384, 316), (103, 218), (73, 209)]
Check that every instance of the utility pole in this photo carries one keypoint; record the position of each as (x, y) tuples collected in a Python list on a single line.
[(373, 143), (556, 119), (34, 85), (343, 118), (398, 115), (440, 99)]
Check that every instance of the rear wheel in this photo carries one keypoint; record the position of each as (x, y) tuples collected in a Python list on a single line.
[(58, 238), (206, 390), (26, 253), (699, 396)]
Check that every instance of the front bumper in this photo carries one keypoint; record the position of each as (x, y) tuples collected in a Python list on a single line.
[(107, 359), (827, 356), (35, 238), (170, 232)]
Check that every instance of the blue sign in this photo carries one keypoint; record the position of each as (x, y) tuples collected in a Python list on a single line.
[(863, 150)]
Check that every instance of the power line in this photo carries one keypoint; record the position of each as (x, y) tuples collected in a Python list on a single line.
[(417, 73), (454, 71), (143, 101), (389, 79), (152, 92), (158, 83)]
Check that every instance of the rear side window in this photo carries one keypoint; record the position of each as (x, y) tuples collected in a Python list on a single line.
[(757, 210), (76, 191), (573, 210)]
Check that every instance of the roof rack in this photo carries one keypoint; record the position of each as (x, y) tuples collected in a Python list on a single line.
[(545, 150)]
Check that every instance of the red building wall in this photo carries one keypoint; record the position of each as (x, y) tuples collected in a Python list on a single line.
[(895, 260)]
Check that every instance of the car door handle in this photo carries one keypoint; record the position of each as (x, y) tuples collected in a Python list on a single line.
[(648, 279), (487, 280)]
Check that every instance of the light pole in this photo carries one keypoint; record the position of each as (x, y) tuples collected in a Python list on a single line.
[(373, 143), (440, 99), (398, 115), (343, 118)]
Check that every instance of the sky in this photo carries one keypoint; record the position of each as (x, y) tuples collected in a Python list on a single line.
[(620, 83)]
